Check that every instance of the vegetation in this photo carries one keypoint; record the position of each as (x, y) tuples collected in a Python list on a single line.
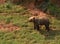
[(26, 34), (18, 15)]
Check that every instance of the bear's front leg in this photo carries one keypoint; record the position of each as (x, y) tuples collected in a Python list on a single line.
[(36, 26)]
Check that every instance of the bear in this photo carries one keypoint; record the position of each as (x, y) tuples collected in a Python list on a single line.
[(39, 21)]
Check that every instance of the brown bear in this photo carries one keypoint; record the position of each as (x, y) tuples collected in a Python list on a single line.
[(38, 21)]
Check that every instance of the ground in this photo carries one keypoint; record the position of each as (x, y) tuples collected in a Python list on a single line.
[(25, 33)]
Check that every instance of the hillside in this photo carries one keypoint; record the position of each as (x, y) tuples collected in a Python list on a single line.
[(14, 28)]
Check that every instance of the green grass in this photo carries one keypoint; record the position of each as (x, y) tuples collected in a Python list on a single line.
[(26, 34), (11, 8)]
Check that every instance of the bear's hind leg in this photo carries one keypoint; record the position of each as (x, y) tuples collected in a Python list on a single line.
[(47, 27)]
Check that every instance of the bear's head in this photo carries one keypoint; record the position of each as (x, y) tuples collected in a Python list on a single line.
[(31, 19)]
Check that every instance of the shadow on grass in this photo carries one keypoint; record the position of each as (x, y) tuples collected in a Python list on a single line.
[(51, 34)]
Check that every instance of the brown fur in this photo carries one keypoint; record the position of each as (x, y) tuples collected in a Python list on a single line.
[(38, 21)]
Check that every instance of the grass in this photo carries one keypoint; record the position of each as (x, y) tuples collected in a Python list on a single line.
[(11, 8), (26, 34)]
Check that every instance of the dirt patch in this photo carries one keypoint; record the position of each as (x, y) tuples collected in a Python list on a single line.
[(33, 10), (2, 1), (8, 27)]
